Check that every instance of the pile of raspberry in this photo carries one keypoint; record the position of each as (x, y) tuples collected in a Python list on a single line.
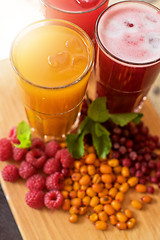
[(44, 166)]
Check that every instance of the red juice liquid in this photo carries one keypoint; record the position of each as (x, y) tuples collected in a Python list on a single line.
[(128, 54), (83, 13)]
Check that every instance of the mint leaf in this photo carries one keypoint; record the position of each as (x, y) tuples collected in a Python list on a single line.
[(101, 140), (23, 135), (123, 118), (97, 110), (75, 145), (75, 142)]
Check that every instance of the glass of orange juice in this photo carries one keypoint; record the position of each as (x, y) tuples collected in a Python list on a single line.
[(52, 60)]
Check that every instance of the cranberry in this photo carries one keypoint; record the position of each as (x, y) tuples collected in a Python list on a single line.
[(126, 162), (129, 143), (132, 171), (154, 179), (133, 156), (139, 174), (122, 150), (150, 189), (142, 180)]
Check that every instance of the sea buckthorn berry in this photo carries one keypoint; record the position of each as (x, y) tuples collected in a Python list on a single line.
[(128, 213), (146, 199), (65, 194), (120, 179), (63, 144), (83, 169), (97, 163), (113, 162), (96, 178), (103, 216), (108, 185), (84, 187), (119, 197), (86, 200), (66, 204), (109, 209), (90, 158), (94, 201), (85, 180), (132, 181), (82, 210), (121, 217), (73, 194), (104, 168), (76, 176), (141, 188), (67, 188), (68, 181), (113, 219), (116, 205), (117, 185), (131, 222), (77, 164), (93, 217), (113, 192), (124, 187), (125, 171), (101, 225), (121, 225), (98, 208), (76, 202), (136, 204), (73, 210), (90, 149), (90, 192), (97, 187), (103, 193), (73, 218), (91, 170), (105, 200), (80, 193), (76, 186), (106, 178), (117, 169)]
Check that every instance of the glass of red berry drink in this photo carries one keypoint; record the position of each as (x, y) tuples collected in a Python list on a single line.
[(83, 13), (128, 54)]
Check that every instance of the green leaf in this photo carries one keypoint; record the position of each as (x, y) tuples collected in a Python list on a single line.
[(123, 118), (75, 142), (23, 135), (101, 140), (97, 110)]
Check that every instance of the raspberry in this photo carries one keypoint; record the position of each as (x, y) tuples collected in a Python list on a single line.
[(53, 199), (10, 173), (36, 182), (19, 153), (13, 135), (55, 181), (65, 157), (35, 199), (52, 165), (36, 157), (51, 148), (5, 149), (26, 170), (37, 143)]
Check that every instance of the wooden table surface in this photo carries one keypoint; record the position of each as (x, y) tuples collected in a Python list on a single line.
[(46, 224)]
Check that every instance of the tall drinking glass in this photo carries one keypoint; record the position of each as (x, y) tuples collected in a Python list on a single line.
[(53, 60), (84, 13), (128, 54)]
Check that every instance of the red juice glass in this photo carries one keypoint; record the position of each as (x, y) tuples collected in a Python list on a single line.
[(128, 54), (83, 13)]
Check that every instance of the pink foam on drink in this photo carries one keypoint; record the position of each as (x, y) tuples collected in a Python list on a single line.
[(75, 5), (131, 33)]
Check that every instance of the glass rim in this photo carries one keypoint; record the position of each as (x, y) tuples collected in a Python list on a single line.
[(75, 28), (73, 12), (106, 51)]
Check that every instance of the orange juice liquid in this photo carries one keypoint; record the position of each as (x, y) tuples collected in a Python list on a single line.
[(53, 63)]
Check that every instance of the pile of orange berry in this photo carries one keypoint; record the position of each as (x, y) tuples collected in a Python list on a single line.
[(96, 188)]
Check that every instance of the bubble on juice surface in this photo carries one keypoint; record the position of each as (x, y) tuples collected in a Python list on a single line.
[(74, 45), (153, 41), (59, 61), (78, 62), (87, 3)]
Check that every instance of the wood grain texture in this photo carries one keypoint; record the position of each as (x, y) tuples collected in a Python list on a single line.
[(47, 224)]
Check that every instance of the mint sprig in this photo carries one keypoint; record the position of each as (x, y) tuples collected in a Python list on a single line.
[(98, 114), (23, 135)]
